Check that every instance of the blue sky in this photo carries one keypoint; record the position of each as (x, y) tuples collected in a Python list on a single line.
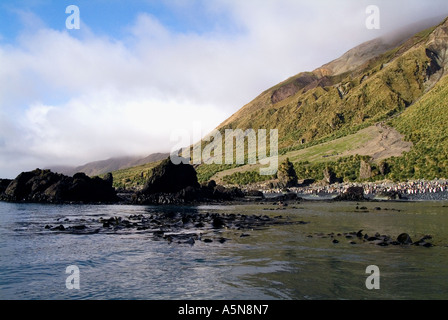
[(138, 70), (110, 17)]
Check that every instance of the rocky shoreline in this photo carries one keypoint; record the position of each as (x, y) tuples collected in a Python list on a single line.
[(178, 185), (186, 227), (172, 184)]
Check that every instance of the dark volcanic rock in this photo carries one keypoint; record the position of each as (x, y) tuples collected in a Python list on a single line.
[(170, 178), (391, 195), (188, 195), (49, 187), (352, 194), (4, 183), (254, 193), (404, 238)]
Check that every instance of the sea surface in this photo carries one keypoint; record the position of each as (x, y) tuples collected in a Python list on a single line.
[(284, 262)]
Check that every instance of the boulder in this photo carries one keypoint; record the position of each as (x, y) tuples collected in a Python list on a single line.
[(254, 193), (404, 238), (170, 178), (352, 194)]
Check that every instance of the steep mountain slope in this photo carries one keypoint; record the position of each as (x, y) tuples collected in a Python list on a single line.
[(383, 103), (348, 94), (425, 123)]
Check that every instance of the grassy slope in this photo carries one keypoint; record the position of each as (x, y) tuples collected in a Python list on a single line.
[(425, 124), (134, 177), (376, 91), (373, 92)]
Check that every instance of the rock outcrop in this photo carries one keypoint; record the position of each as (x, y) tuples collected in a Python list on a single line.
[(168, 177), (287, 176), (330, 176), (176, 184), (365, 170), (4, 183), (44, 186), (352, 194)]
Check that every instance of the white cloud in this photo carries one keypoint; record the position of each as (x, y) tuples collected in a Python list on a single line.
[(69, 100)]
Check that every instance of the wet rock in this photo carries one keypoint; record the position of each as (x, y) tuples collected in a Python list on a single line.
[(404, 238), (391, 195), (352, 194), (218, 223), (80, 227), (254, 193)]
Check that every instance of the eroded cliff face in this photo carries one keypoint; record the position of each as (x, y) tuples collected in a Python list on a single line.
[(437, 52)]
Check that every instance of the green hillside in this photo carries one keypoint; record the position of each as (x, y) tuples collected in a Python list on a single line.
[(425, 124), (377, 90), (133, 178), (381, 104)]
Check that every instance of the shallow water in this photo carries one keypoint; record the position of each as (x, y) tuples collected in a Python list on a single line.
[(277, 262)]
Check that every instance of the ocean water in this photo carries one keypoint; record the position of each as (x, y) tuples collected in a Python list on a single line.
[(285, 262)]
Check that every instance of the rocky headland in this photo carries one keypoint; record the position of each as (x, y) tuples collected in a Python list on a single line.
[(44, 186)]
